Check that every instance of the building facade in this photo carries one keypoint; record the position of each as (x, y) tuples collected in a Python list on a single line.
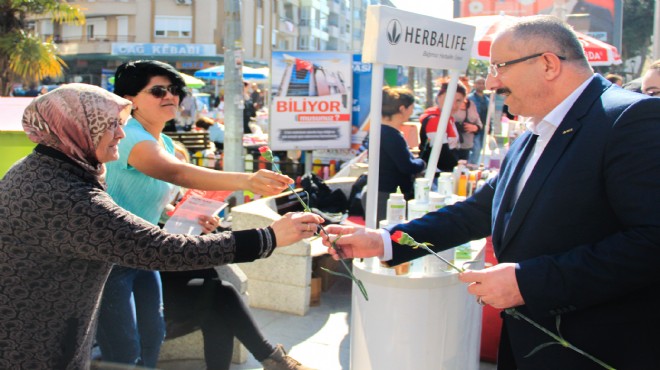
[(190, 34)]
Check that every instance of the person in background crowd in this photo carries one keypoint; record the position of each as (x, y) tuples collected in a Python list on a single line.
[(651, 80), (131, 327), (250, 110), (468, 124), (61, 233), (430, 120), (480, 101), (397, 166), (188, 113), (573, 212), (615, 79), (216, 131)]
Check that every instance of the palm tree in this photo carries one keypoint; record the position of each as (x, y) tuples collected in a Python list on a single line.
[(23, 55)]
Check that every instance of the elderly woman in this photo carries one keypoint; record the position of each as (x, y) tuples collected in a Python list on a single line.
[(60, 232)]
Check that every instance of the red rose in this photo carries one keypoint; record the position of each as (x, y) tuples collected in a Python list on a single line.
[(396, 237), (264, 149)]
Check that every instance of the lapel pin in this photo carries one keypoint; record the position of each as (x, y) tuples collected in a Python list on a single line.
[(567, 131)]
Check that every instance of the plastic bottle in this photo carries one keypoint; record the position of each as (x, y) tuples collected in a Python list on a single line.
[(396, 208), (461, 189), (436, 201), (333, 167), (445, 184), (422, 189), (458, 170)]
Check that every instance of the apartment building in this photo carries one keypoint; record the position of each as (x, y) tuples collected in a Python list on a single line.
[(190, 33)]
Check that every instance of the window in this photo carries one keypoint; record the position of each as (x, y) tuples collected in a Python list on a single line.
[(273, 38), (176, 27), (90, 31)]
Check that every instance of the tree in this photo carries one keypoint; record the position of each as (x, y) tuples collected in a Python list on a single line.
[(637, 28), (23, 55)]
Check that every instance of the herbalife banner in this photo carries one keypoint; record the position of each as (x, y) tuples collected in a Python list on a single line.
[(312, 100), (415, 40)]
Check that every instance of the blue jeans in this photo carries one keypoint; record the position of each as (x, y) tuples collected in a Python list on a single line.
[(131, 327), (475, 154)]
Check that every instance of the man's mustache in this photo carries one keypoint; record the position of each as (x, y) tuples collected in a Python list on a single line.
[(503, 91)]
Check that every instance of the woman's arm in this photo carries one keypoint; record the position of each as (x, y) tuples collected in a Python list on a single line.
[(151, 159)]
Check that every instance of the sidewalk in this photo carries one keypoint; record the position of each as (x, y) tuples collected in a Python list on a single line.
[(319, 339)]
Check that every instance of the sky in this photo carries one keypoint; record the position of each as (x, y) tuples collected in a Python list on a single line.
[(434, 8)]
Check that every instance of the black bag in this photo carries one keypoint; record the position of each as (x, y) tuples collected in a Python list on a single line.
[(321, 196), (355, 198)]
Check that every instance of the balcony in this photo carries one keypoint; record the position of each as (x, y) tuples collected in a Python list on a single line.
[(100, 8), (90, 45), (335, 6), (333, 31)]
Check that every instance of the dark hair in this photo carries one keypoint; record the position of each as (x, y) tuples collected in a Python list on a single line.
[(204, 122), (546, 33), (614, 78), (460, 89), (132, 77), (395, 97)]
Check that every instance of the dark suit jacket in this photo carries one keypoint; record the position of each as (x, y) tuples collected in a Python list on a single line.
[(585, 233)]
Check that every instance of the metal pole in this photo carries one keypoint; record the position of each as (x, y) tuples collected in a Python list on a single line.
[(233, 83), (375, 116), (656, 31)]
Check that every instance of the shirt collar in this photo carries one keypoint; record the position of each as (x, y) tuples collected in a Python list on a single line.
[(557, 115)]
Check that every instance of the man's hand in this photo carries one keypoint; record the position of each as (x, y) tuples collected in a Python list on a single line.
[(497, 286), (353, 242)]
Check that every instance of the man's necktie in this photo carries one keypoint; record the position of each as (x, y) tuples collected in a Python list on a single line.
[(509, 200)]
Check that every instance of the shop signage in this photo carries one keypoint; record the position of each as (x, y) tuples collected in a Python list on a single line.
[(410, 39), (137, 48)]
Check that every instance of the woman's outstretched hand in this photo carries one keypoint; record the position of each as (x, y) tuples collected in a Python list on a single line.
[(267, 182)]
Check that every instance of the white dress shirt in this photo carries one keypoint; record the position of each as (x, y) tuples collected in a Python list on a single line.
[(544, 129)]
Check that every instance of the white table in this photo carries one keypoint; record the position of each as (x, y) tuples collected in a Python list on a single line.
[(415, 321)]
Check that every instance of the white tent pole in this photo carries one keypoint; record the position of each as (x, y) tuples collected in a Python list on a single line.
[(442, 125), (375, 117), (489, 119)]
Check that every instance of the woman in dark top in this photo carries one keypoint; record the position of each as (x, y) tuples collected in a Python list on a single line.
[(397, 166), (61, 233)]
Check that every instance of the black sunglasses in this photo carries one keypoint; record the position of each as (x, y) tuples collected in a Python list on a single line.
[(160, 91)]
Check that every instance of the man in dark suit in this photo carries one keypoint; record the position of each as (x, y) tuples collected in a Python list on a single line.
[(574, 212)]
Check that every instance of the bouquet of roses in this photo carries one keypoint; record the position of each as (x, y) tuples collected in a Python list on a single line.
[(268, 156), (404, 239)]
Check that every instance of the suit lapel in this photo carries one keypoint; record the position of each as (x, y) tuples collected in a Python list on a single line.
[(554, 150), (509, 177)]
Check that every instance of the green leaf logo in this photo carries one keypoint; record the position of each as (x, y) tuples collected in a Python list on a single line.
[(394, 31)]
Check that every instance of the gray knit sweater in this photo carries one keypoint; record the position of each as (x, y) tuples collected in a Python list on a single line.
[(60, 234)]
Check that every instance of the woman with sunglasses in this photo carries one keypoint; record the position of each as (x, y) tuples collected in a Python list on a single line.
[(131, 326)]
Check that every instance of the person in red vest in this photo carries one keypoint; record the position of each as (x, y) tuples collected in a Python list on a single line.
[(430, 119)]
